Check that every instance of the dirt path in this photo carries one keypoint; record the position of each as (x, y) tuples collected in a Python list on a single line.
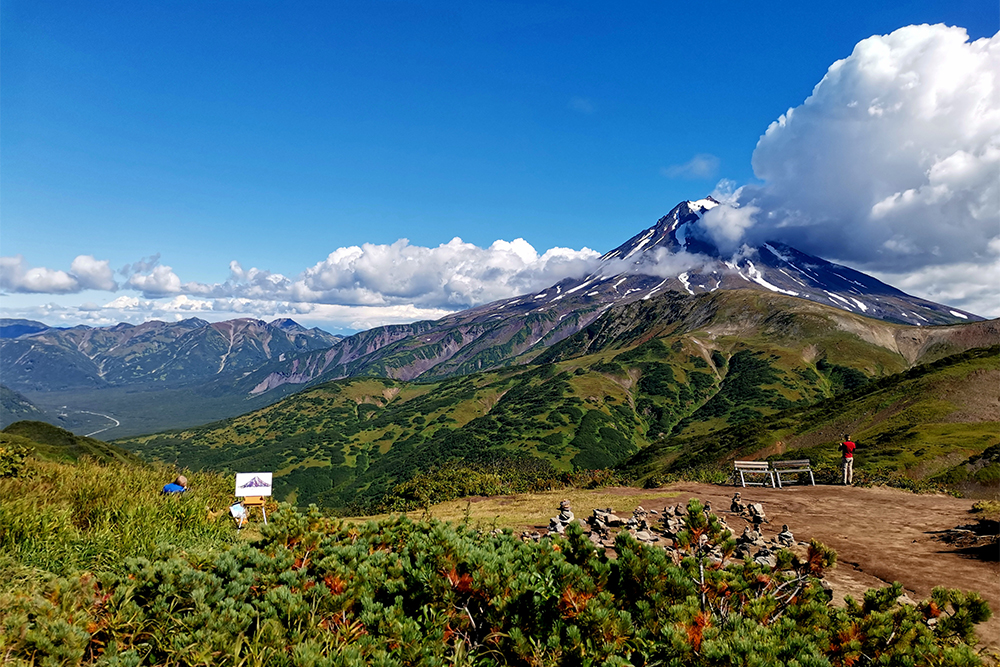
[(880, 535)]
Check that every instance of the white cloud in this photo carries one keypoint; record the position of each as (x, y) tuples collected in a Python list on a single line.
[(161, 281), (702, 165), (354, 287), (727, 224), (453, 275), (966, 285), (657, 262), (85, 273), (93, 273), (47, 281), (892, 163)]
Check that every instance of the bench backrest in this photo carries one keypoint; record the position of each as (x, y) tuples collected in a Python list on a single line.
[(803, 463), (753, 466)]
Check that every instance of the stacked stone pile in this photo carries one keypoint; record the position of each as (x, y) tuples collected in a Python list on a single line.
[(660, 528), (639, 526), (601, 522), (557, 524)]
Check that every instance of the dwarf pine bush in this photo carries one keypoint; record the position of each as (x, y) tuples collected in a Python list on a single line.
[(318, 592)]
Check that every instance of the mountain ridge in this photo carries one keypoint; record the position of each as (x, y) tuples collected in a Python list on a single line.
[(152, 352), (219, 369)]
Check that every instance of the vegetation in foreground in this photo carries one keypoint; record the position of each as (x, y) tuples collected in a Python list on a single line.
[(100, 569), (61, 518)]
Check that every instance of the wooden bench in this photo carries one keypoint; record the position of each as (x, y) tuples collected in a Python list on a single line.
[(744, 468), (780, 468)]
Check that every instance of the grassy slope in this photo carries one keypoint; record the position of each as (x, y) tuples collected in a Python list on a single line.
[(51, 442), (15, 407), (922, 422), (61, 517), (645, 376)]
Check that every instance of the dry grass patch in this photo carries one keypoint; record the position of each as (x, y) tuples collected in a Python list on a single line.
[(527, 510)]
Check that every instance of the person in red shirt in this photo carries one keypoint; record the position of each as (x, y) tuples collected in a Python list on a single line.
[(847, 461)]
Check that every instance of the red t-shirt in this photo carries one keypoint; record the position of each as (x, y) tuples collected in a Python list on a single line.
[(847, 448)]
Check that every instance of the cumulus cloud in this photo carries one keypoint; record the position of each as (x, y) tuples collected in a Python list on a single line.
[(92, 273), (357, 286), (727, 224), (85, 273), (161, 281), (966, 285), (892, 162), (453, 275), (702, 165), (656, 262), (144, 265)]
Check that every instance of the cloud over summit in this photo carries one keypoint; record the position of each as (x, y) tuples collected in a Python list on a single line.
[(893, 161)]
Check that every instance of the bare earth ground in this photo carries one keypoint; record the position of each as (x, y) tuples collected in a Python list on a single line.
[(880, 535)]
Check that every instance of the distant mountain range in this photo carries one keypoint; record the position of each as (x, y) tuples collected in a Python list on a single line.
[(647, 372), (157, 375), (43, 358)]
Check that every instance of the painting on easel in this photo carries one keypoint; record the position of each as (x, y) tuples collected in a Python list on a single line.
[(254, 488), (253, 483)]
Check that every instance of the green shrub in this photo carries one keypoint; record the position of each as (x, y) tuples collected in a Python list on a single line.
[(493, 476), (316, 591), (13, 455)]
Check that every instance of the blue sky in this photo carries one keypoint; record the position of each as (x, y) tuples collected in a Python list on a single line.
[(273, 134)]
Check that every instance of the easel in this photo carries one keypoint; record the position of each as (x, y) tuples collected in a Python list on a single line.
[(258, 483), (241, 510)]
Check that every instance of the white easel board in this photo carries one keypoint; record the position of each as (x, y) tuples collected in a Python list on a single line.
[(253, 483)]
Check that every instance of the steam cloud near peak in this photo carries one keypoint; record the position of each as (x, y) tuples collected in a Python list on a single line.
[(893, 162)]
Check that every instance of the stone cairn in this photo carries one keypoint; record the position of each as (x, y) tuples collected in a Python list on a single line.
[(661, 529), (557, 524)]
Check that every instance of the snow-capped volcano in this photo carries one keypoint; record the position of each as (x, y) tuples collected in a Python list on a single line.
[(678, 254), (677, 231)]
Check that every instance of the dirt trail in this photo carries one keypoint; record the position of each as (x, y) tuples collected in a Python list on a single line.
[(880, 535)]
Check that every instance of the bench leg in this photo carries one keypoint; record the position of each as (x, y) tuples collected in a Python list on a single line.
[(778, 476), (811, 478)]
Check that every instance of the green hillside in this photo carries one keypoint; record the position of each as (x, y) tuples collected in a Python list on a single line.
[(15, 407), (939, 421), (642, 376), (51, 442)]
